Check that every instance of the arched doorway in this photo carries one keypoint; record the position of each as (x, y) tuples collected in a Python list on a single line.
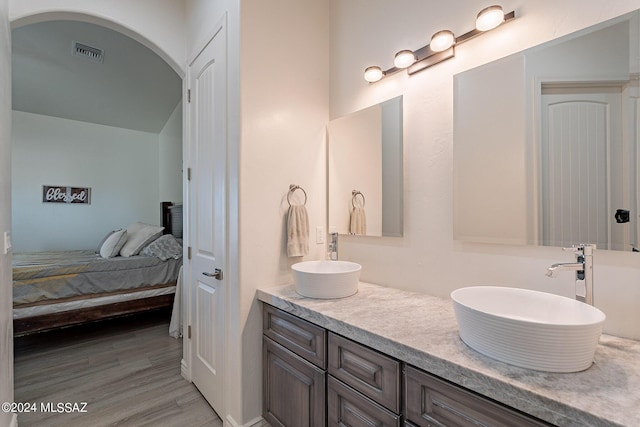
[(105, 27)]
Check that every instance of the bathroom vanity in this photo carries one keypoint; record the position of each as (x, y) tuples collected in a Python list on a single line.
[(394, 358)]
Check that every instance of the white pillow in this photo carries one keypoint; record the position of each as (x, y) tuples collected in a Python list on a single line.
[(139, 235), (113, 243)]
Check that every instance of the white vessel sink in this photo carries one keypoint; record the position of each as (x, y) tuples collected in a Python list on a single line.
[(326, 279), (530, 329)]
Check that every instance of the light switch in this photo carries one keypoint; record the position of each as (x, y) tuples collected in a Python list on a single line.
[(320, 235)]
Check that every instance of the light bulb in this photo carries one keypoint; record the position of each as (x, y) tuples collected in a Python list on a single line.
[(373, 74), (404, 58), (442, 40), (489, 18)]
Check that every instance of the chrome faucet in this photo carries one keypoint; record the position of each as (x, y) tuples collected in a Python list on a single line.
[(583, 268), (333, 246)]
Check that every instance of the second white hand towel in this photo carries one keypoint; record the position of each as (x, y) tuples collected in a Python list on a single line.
[(358, 221), (297, 231)]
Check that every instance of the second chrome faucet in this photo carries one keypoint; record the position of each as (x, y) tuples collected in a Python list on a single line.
[(583, 268)]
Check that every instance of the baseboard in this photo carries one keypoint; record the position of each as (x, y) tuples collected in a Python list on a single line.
[(14, 421), (184, 370), (256, 422)]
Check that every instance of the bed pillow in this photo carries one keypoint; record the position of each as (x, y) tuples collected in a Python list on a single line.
[(139, 235), (164, 247), (104, 239), (113, 243)]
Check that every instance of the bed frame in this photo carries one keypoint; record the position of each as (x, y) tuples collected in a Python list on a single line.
[(47, 322)]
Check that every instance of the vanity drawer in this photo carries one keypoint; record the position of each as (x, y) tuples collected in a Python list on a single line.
[(301, 337), (431, 401), (373, 374), (347, 407)]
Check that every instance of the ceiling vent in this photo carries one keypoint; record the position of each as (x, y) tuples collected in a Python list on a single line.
[(93, 53)]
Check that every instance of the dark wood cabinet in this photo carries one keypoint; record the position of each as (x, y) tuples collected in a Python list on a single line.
[(431, 401), (294, 390), (315, 378), (294, 376)]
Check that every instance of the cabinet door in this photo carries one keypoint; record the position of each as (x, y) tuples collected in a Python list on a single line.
[(348, 408), (371, 373), (305, 339), (293, 389), (430, 401)]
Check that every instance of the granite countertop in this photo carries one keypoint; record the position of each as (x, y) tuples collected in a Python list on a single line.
[(421, 330)]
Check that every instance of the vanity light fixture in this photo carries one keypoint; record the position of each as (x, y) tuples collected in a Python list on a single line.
[(373, 74), (404, 58), (441, 47), (442, 40), (489, 18)]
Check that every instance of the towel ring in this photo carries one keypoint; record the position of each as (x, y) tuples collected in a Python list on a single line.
[(292, 189), (354, 194)]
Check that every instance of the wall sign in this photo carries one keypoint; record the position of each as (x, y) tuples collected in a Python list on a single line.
[(61, 194)]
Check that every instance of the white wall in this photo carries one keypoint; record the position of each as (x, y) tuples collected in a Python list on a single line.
[(427, 259), (170, 158), (285, 98), (6, 318), (120, 165)]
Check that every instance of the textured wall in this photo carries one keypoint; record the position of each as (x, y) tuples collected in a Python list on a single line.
[(427, 259)]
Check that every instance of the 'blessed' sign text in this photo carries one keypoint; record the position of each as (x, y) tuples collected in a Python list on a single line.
[(60, 194)]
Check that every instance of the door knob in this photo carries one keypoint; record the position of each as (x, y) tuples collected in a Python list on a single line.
[(217, 274)]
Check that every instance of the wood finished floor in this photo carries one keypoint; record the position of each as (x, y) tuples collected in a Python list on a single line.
[(127, 370)]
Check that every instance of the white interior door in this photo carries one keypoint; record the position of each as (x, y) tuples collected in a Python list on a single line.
[(582, 165), (207, 218)]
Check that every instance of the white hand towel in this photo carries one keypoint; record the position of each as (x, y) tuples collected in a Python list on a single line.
[(297, 231), (358, 221)]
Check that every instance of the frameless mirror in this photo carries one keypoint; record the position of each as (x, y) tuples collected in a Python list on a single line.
[(546, 142), (365, 171)]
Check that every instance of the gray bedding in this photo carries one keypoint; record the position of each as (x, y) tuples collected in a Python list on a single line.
[(57, 276)]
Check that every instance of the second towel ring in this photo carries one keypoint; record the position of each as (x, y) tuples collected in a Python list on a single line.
[(354, 194), (292, 189)]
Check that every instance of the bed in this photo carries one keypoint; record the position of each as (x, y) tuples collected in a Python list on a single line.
[(56, 289)]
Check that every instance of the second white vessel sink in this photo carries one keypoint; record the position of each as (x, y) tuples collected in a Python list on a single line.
[(526, 328), (326, 279)]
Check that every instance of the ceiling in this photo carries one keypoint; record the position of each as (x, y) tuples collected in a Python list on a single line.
[(133, 88)]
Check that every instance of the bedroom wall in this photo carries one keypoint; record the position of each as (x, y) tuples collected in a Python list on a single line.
[(6, 323), (120, 165), (170, 158), (427, 259)]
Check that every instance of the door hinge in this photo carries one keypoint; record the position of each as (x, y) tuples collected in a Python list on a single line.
[(189, 332), (188, 252), (189, 95), (188, 174)]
